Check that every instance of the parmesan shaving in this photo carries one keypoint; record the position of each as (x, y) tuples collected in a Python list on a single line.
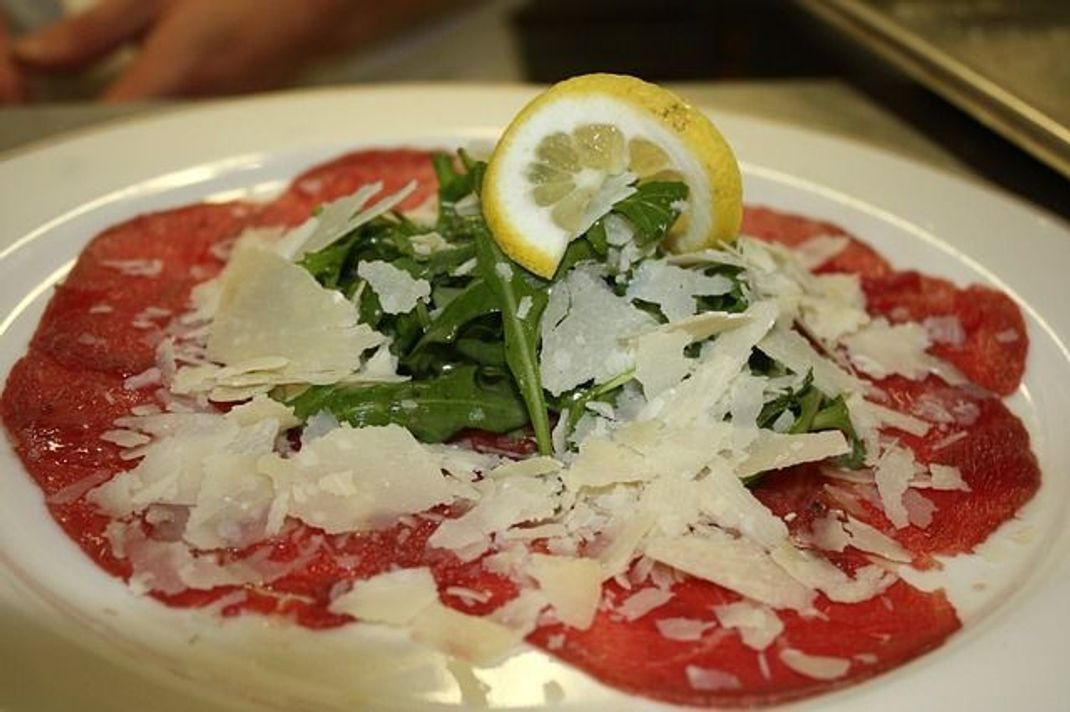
[(818, 667), (398, 291), (573, 587), (683, 629), (474, 639), (674, 288), (582, 327), (733, 563), (711, 679), (758, 626), (394, 597), (642, 602)]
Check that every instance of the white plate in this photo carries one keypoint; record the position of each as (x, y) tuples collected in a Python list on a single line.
[(72, 637)]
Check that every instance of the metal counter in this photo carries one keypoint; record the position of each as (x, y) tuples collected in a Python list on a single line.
[(1007, 62)]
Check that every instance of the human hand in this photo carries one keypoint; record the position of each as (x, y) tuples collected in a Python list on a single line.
[(11, 88), (188, 47)]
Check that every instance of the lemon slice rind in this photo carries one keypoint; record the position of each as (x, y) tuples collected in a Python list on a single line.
[(696, 151)]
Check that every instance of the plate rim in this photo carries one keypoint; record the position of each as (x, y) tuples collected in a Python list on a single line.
[(53, 149)]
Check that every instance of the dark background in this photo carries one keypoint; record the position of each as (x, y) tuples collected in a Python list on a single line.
[(681, 40)]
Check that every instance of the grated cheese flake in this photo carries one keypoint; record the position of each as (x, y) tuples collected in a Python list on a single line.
[(582, 327), (758, 625), (683, 629), (573, 586), (674, 289), (710, 679), (893, 473), (398, 291), (733, 563), (660, 363), (946, 477), (394, 597), (642, 602), (327, 485), (270, 308), (474, 639), (819, 667)]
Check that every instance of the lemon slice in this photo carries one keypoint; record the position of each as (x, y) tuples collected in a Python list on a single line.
[(573, 151)]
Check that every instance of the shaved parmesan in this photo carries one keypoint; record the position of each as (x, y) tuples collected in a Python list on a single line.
[(819, 667), (504, 502), (881, 349), (582, 327), (522, 612), (701, 326), (394, 597), (774, 451), (730, 505), (271, 309), (795, 352), (919, 508), (621, 542), (398, 291), (945, 477), (660, 363), (531, 467), (872, 540), (814, 571), (337, 219), (893, 473), (348, 479), (683, 629), (819, 249), (475, 639), (869, 416), (692, 401), (945, 330), (758, 625), (711, 679), (602, 461), (733, 563), (573, 587), (642, 602), (674, 288)]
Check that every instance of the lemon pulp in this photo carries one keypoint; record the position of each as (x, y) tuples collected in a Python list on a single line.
[(567, 155)]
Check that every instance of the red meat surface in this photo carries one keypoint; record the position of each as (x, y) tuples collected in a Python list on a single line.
[(69, 388)]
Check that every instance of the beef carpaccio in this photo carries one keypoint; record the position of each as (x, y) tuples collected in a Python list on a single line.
[(103, 325)]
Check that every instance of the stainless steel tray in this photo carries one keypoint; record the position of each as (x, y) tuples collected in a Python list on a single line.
[(1007, 62)]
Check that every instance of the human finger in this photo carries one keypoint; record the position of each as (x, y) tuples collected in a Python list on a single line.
[(12, 88), (200, 47), (83, 38)]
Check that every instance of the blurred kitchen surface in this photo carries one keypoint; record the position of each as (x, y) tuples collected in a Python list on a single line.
[(809, 62)]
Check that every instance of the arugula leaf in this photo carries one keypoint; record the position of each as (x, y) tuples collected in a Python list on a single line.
[(453, 185), (650, 209), (475, 300), (834, 416), (735, 300), (815, 412), (597, 238), (434, 410), (575, 401), (511, 285)]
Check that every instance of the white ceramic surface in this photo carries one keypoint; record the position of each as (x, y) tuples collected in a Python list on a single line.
[(72, 637)]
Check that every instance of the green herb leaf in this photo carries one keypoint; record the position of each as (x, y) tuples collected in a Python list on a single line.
[(815, 412), (453, 185), (575, 401), (434, 410), (474, 301), (512, 285), (650, 209), (835, 416)]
